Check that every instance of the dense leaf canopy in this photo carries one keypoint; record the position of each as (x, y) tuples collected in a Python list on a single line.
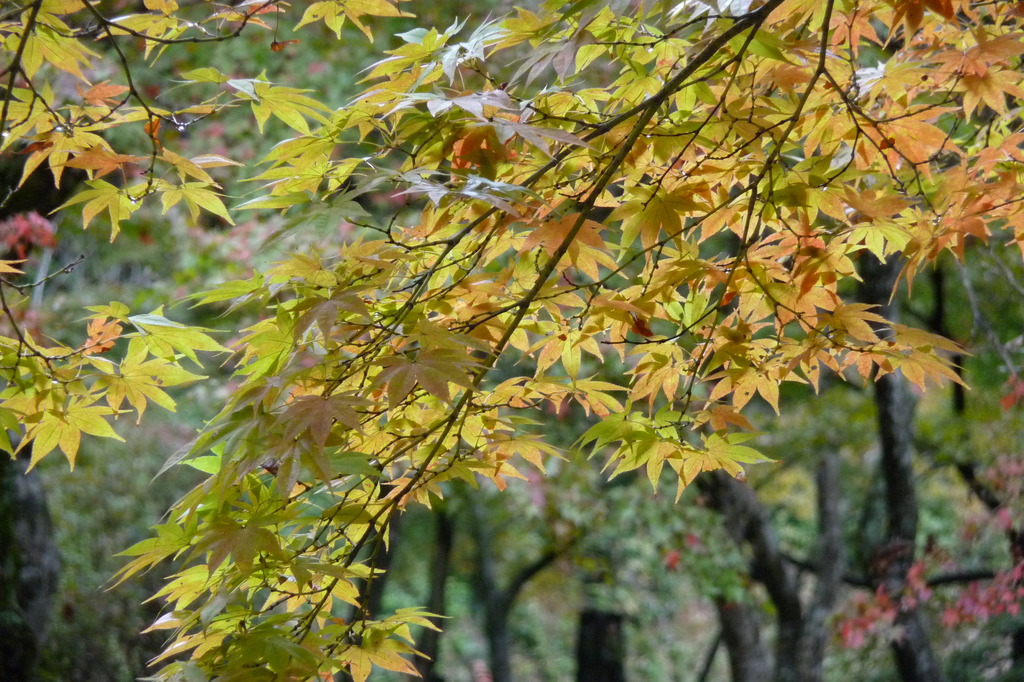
[(657, 211)]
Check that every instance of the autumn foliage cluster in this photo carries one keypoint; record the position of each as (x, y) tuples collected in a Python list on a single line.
[(660, 216)]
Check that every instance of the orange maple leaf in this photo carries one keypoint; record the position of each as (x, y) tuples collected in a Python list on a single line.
[(152, 128), (848, 29), (101, 160), (279, 45), (103, 94), (912, 12), (479, 148), (36, 146), (102, 335), (990, 89), (551, 232)]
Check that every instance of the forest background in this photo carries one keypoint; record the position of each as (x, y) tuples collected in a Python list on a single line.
[(871, 530)]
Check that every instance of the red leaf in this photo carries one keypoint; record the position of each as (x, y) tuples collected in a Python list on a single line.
[(1014, 392), (640, 326)]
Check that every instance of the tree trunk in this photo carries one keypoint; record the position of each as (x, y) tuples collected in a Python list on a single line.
[(429, 640), (741, 632), (746, 521), (373, 600), (496, 610), (497, 602), (371, 592), (831, 561), (802, 632), (892, 559), (600, 647), (29, 569)]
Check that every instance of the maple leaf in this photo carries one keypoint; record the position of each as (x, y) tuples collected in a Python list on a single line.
[(719, 452), (140, 381), (989, 51), (241, 543), (992, 89), (871, 203), (721, 416), (287, 104), (64, 429), (7, 267), (915, 137), (196, 196), (1014, 388), (551, 232), (152, 129), (479, 148), (164, 6), (278, 46), (317, 415), (37, 146), (103, 196), (102, 335), (640, 326), (334, 14), (99, 161), (742, 384), (856, 320), (103, 94), (654, 211), (164, 337), (432, 369), (912, 12), (850, 28)]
